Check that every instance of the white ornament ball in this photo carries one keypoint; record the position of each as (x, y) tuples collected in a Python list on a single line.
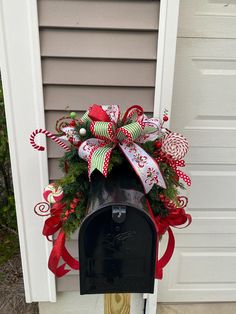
[(82, 131)]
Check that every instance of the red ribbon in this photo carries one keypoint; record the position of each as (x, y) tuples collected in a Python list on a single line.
[(59, 251), (96, 113), (176, 218), (52, 225)]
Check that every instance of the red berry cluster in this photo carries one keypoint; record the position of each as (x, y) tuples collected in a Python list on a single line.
[(167, 202), (72, 123), (73, 205), (158, 144), (163, 157)]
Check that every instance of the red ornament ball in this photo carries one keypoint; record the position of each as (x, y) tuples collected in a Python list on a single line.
[(158, 144), (72, 123), (165, 118)]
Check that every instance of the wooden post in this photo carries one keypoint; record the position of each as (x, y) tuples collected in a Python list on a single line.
[(117, 303)]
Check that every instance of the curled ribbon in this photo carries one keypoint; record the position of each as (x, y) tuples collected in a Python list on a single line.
[(109, 132)]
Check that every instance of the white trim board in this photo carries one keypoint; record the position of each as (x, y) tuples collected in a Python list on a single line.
[(167, 37), (21, 74)]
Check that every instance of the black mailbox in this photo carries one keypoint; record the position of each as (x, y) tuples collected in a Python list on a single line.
[(117, 239)]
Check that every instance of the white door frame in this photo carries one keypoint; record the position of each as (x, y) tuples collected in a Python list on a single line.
[(22, 81)]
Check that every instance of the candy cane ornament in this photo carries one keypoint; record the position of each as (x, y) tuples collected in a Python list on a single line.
[(49, 135)]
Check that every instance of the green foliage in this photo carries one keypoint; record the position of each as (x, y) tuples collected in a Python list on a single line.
[(7, 204), (75, 184), (9, 245)]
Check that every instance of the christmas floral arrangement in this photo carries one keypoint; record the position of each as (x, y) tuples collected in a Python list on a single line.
[(102, 140)]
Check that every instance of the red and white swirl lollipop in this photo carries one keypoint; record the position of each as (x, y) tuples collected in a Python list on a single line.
[(53, 194), (175, 145)]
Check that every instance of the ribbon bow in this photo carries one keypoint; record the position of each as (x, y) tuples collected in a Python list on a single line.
[(109, 131)]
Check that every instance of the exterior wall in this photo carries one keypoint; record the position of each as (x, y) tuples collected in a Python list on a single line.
[(95, 51)]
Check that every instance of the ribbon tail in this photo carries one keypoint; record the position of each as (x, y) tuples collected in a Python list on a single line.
[(184, 176), (99, 158), (70, 260), (97, 152), (144, 165), (164, 260), (55, 256), (59, 251)]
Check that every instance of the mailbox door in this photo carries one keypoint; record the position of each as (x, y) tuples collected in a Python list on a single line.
[(117, 256)]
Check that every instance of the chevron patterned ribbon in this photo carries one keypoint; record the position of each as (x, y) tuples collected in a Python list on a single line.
[(135, 128)]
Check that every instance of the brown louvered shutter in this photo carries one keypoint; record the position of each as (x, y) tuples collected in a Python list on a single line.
[(95, 52)]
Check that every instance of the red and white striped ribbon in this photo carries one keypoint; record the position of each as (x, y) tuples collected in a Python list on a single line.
[(49, 135)]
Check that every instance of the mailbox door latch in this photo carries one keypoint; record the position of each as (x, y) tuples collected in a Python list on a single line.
[(118, 213)]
